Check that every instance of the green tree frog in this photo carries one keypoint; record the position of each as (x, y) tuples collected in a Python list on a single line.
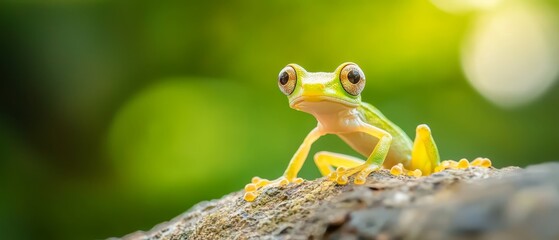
[(334, 100)]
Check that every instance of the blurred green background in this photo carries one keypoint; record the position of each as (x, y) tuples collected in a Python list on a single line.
[(118, 115)]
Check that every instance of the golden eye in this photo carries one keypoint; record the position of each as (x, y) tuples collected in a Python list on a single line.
[(352, 79), (287, 79)]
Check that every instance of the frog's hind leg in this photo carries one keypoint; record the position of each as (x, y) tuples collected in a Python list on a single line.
[(325, 161), (425, 155)]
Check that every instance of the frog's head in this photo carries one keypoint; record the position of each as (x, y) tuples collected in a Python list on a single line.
[(319, 91)]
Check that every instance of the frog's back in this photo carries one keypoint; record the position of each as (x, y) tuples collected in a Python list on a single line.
[(400, 149)]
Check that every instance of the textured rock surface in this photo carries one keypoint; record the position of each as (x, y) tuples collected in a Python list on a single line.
[(475, 203)]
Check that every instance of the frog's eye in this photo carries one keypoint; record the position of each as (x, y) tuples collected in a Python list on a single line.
[(353, 79), (287, 79)]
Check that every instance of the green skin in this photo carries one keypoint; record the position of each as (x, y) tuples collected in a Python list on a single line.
[(341, 113), (336, 104)]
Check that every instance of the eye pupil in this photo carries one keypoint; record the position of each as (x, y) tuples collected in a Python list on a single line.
[(353, 76), (283, 78)]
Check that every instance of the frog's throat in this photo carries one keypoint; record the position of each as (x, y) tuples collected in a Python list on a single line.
[(303, 102)]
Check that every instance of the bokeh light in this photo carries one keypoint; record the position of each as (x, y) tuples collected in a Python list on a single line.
[(512, 56), (174, 135)]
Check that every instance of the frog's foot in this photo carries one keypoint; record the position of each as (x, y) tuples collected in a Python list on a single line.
[(342, 174), (463, 164), (347, 166), (251, 189), (399, 169)]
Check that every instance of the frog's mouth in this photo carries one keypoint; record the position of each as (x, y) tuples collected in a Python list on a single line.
[(303, 102)]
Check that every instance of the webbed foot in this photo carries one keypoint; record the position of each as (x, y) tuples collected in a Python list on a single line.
[(341, 175), (399, 169), (463, 164), (251, 189), (447, 164)]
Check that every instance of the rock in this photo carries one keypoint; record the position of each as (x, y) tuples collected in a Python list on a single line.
[(474, 203)]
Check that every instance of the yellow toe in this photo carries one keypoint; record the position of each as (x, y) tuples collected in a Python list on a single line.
[(486, 162), (359, 180), (251, 187), (342, 180), (417, 173), (396, 170), (463, 163), (333, 176), (250, 196), (283, 182), (476, 162), (256, 180)]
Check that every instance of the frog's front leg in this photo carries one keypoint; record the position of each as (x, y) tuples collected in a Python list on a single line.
[(290, 174), (373, 162)]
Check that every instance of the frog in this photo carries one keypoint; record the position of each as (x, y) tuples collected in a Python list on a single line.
[(334, 99)]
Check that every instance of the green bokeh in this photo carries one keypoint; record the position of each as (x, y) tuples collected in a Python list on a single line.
[(118, 115)]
